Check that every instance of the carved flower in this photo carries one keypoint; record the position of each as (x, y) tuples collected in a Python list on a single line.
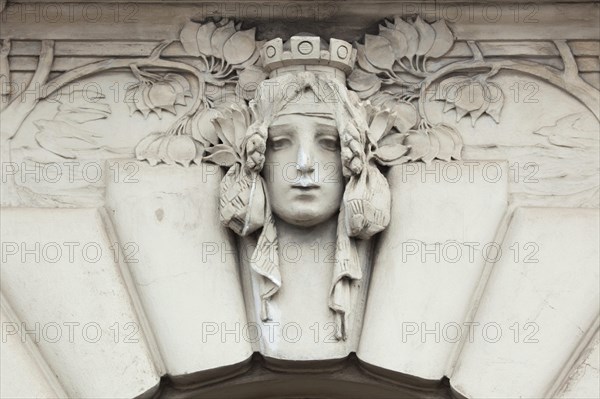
[(406, 115), (221, 39), (400, 46), (229, 126), (471, 95), (155, 93), (423, 144), (176, 146)]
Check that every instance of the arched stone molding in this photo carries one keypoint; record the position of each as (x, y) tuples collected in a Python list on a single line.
[(169, 288)]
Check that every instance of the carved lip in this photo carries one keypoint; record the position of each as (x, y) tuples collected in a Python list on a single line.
[(305, 183)]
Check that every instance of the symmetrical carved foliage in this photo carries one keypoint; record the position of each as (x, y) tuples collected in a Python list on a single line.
[(395, 105)]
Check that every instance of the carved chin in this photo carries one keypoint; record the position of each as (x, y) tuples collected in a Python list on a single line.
[(305, 216)]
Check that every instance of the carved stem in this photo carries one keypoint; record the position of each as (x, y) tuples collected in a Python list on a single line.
[(105, 65), (22, 105), (19, 108), (5, 81), (574, 85), (26, 101), (571, 71)]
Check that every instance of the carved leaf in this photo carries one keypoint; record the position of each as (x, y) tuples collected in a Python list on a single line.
[(379, 52), (364, 83), (204, 36), (362, 59), (188, 39), (143, 149), (410, 33), (136, 99), (443, 39), (221, 155), (396, 39), (446, 143), (391, 149), (419, 144), (225, 129), (426, 36), (380, 124), (406, 116), (391, 153), (434, 148), (393, 139), (219, 37), (496, 104), (456, 138), (241, 120), (248, 81), (240, 47), (478, 112), (203, 128)]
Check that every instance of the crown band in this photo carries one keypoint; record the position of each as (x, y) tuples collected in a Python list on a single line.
[(306, 51)]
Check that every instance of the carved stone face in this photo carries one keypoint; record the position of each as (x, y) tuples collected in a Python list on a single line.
[(303, 169)]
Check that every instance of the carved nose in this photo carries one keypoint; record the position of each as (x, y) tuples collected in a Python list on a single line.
[(304, 162)]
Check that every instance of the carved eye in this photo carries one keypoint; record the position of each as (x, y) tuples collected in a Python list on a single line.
[(279, 143), (330, 143)]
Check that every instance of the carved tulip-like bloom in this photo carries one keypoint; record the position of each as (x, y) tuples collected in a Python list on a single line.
[(155, 93), (176, 146), (471, 95), (389, 146), (400, 46), (222, 40)]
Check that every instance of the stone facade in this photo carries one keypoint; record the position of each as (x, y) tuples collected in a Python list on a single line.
[(300, 199)]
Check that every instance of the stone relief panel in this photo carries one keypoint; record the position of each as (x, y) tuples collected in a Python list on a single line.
[(307, 141)]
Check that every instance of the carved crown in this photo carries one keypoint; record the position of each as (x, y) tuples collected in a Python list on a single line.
[(308, 50)]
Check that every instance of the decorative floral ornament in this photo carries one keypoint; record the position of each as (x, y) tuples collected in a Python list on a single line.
[(400, 47), (225, 52), (242, 199), (176, 146), (392, 68), (471, 95), (155, 93), (222, 39)]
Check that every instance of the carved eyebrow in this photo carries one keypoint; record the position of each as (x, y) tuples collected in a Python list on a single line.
[(283, 129), (325, 129)]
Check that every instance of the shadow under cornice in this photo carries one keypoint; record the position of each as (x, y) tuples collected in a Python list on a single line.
[(263, 377)]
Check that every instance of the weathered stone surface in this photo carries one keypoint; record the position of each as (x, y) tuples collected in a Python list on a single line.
[(183, 263), (538, 303), (64, 281), (428, 264), (250, 219)]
